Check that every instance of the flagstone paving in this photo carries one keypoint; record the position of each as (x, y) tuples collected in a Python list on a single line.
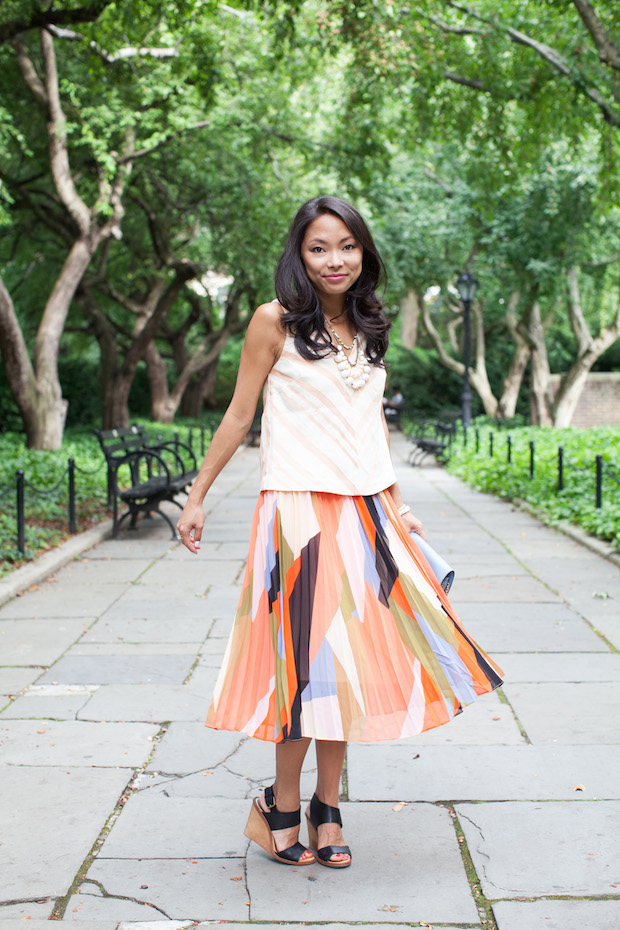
[(121, 810)]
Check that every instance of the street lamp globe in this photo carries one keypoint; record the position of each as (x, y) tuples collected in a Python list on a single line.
[(467, 285)]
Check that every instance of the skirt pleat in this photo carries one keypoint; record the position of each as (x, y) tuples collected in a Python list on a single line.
[(342, 631)]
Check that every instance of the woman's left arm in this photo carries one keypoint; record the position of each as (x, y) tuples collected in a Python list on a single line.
[(411, 522)]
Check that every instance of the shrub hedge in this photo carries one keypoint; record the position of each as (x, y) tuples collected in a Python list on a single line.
[(576, 501)]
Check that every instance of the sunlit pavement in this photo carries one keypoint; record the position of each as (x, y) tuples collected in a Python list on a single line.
[(120, 809)]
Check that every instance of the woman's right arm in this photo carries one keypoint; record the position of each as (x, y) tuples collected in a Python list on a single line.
[(261, 349)]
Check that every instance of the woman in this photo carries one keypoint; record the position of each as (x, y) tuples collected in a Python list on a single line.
[(342, 632)]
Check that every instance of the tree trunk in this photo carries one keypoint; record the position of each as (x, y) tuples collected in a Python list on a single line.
[(507, 406), (568, 394), (36, 385), (45, 423), (116, 414), (540, 372), (409, 314), (590, 349), (207, 385), (514, 379), (477, 376), (162, 408), (105, 335)]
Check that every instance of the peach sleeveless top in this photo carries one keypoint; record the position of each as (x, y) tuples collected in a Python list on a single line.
[(317, 433)]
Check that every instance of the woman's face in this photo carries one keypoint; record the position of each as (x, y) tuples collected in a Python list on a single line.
[(331, 255)]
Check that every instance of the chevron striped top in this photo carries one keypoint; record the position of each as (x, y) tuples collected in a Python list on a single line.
[(318, 434)]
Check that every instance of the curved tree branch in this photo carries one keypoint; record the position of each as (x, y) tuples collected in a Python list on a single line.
[(608, 51), (548, 54), (57, 132), (466, 82), (30, 76), (39, 19), (122, 54)]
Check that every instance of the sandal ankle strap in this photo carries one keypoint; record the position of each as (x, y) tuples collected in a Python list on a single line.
[(323, 813), (279, 820)]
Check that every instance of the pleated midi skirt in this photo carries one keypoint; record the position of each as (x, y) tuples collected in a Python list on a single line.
[(342, 631)]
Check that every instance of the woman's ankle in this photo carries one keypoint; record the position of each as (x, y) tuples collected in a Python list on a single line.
[(286, 800)]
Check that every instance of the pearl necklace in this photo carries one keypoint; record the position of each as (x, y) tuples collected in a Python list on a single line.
[(355, 374)]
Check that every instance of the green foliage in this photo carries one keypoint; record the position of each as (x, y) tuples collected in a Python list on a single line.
[(47, 514), (459, 143), (427, 388), (576, 503), (227, 373)]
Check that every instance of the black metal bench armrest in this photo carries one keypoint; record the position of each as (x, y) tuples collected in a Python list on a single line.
[(133, 458), (172, 445)]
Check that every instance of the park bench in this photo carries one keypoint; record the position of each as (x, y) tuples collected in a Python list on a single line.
[(431, 437), (253, 435), (142, 474), (393, 415)]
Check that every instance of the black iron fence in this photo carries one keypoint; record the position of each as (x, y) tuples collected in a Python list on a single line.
[(605, 475), (22, 488)]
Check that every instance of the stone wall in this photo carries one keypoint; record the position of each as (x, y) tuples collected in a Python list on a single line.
[(599, 404)]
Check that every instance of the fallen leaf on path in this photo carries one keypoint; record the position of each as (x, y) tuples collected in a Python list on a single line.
[(237, 878), (579, 787), (144, 886), (399, 806)]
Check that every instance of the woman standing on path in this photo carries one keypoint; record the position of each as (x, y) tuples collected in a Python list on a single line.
[(342, 632)]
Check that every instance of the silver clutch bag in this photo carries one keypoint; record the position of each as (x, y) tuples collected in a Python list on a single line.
[(441, 570)]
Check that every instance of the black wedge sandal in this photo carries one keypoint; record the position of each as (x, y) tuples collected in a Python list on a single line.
[(261, 824), (323, 813)]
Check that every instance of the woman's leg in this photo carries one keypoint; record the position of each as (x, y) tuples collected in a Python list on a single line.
[(330, 759), (290, 756)]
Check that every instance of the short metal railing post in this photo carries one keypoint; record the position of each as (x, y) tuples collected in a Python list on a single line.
[(491, 444), (531, 458), (560, 468), (71, 474), (21, 530), (509, 449), (599, 481)]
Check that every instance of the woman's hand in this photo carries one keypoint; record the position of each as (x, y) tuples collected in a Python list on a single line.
[(190, 525), (413, 524)]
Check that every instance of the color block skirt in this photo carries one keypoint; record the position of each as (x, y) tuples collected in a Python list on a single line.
[(342, 631)]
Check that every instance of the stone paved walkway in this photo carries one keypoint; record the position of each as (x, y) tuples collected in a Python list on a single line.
[(120, 809)]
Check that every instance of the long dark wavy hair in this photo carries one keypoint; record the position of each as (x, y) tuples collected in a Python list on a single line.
[(305, 319)]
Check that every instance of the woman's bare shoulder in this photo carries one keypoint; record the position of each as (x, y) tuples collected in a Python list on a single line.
[(266, 324)]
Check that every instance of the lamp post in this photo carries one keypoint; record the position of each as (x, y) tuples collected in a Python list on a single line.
[(466, 286)]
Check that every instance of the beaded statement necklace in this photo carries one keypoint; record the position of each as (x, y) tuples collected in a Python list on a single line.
[(356, 373)]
